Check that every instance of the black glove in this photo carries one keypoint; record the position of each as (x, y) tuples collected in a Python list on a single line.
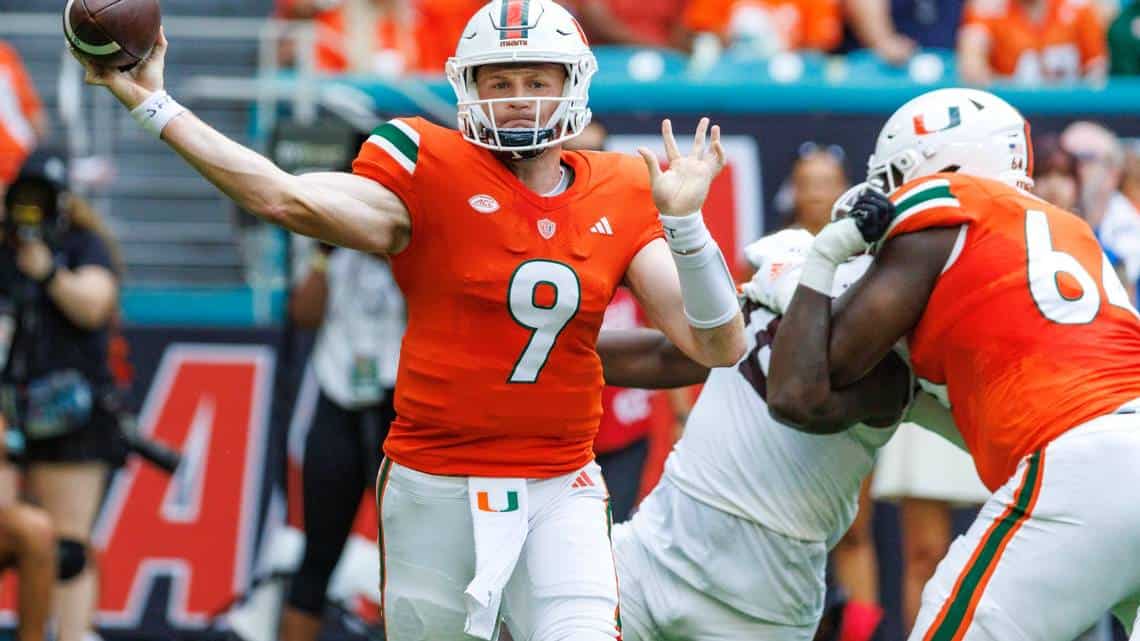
[(873, 213)]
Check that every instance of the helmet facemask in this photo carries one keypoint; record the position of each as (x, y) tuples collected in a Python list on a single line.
[(478, 124)]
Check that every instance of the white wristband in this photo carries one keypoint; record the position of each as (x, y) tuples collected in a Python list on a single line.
[(707, 289), (835, 243), (156, 112), (685, 234), (818, 273)]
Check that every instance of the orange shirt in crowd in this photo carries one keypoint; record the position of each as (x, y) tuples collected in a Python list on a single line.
[(1067, 43), (19, 107), (805, 24), (419, 41)]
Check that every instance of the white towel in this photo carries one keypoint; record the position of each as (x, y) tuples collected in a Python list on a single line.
[(499, 516)]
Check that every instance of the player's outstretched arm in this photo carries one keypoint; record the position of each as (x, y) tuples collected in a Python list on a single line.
[(645, 359), (338, 208), (816, 355), (683, 283)]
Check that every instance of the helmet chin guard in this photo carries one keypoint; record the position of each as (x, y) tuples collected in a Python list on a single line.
[(521, 32)]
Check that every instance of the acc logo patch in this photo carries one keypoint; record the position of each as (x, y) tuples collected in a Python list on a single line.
[(483, 203)]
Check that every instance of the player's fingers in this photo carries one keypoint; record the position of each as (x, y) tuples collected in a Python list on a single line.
[(718, 148), (651, 163), (159, 44), (671, 151), (699, 138)]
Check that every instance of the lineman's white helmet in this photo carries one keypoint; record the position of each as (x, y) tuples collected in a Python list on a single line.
[(512, 31), (965, 130)]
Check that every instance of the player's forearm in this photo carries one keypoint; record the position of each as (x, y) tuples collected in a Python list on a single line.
[(720, 346), (799, 375), (645, 359), (245, 176)]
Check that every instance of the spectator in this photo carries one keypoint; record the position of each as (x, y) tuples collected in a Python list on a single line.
[(1031, 41), (353, 299), (23, 121), (58, 267), (894, 29), (1119, 230), (1124, 41), (1055, 173), (767, 26), (874, 27), (1100, 162), (383, 37), (818, 179), (642, 23)]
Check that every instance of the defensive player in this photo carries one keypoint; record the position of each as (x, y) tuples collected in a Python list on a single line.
[(1015, 320), (507, 250)]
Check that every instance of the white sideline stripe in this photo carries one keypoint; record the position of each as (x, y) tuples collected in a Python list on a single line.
[(395, 153)]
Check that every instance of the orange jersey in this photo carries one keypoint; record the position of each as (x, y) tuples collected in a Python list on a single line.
[(19, 105), (1028, 332), (1068, 41), (804, 24), (505, 293)]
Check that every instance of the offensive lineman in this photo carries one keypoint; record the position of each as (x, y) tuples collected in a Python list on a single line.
[(1015, 320)]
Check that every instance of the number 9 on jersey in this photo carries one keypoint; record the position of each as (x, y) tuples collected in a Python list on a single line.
[(545, 321)]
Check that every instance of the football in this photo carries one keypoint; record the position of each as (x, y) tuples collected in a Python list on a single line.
[(116, 33)]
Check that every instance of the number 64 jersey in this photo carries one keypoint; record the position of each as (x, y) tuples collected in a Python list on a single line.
[(1028, 332), (505, 293)]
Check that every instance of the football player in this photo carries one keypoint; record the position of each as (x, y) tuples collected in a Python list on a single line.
[(507, 250), (1016, 321), (732, 543)]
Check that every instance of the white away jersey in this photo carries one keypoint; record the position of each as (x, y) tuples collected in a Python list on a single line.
[(735, 457)]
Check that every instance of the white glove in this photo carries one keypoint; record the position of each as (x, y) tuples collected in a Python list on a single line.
[(794, 242), (778, 260)]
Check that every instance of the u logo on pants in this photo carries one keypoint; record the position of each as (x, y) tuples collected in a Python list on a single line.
[(563, 588)]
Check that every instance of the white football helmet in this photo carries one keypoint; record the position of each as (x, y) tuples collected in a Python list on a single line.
[(511, 31), (964, 130)]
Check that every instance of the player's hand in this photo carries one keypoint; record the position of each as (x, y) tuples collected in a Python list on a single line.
[(872, 213), (130, 87), (681, 190)]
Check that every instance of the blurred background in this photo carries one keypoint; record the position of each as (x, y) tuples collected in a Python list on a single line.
[(217, 314)]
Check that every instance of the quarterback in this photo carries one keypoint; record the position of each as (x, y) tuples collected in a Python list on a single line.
[(1015, 320), (507, 249)]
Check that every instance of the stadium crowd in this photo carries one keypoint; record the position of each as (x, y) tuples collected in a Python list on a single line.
[(1026, 41)]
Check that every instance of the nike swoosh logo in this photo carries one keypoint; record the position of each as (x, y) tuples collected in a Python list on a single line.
[(469, 37), (563, 33)]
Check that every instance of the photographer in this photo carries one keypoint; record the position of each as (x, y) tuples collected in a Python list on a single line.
[(58, 273)]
